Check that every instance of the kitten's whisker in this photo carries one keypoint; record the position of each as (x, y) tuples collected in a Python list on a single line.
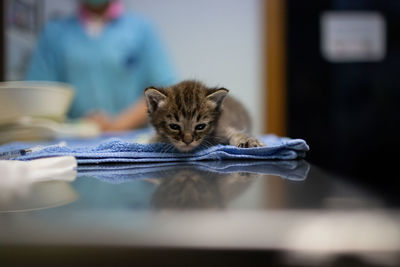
[(209, 144), (206, 144), (167, 148), (163, 149), (217, 138), (170, 148)]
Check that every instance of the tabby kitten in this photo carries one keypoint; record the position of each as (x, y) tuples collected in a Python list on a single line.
[(189, 115)]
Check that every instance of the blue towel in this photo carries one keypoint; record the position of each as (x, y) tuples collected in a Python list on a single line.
[(125, 150), (294, 170)]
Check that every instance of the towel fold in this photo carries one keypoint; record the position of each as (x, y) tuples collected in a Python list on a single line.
[(128, 149), (117, 150)]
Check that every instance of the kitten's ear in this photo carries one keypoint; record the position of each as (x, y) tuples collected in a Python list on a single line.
[(217, 96), (154, 98)]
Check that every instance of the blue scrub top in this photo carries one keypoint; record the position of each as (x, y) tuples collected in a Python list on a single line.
[(109, 71)]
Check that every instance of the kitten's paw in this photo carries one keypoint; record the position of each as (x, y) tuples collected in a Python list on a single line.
[(247, 142)]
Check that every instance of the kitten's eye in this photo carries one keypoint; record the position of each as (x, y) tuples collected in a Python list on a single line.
[(200, 126), (174, 126)]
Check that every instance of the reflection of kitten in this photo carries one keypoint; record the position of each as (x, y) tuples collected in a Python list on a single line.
[(189, 114), (195, 189)]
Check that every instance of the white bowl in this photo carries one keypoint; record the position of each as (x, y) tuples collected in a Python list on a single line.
[(34, 99)]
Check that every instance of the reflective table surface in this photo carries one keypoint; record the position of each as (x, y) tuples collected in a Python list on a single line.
[(281, 212)]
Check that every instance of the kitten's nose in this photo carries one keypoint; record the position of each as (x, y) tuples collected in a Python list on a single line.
[(187, 138)]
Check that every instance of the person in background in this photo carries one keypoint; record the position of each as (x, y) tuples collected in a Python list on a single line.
[(109, 56)]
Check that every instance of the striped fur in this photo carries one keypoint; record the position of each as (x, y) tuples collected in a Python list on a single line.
[(189, 113)]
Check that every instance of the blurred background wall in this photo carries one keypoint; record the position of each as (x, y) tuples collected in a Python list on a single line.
[(217, 42)]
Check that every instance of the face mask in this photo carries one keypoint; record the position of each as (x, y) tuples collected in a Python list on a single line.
[(95, 2)]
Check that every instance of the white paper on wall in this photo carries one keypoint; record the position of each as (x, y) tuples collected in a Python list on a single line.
[(353, 36)]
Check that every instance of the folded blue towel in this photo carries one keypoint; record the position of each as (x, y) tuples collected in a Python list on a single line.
[(294, 170), (112, 150)]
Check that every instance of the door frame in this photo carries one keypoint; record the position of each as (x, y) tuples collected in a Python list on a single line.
[(275, 109)]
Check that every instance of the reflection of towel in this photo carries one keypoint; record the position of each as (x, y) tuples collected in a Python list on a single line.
[(117, 150), (295, 170)]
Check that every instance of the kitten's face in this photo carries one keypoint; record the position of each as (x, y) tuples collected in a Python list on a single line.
[(185, 114)]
